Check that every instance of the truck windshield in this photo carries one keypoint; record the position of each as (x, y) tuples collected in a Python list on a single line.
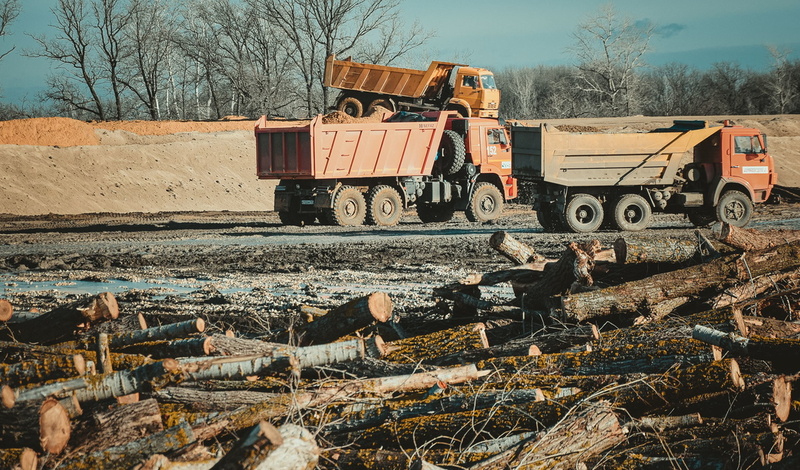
[(487, 81), (747, 144)]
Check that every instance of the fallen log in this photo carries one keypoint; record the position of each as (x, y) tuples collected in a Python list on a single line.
[(751, 288), (23, 458), (766, 327), (61, 323), (156, 333), (299, 450), (517, 252), (114, 385), (639, 295), (784, 352), (42, 425), (188, 347), (404, 383), (118, 426), (583, 434), (346, 319), (636, 250), (749, 239), (575, 264), (425, 347), (44, 369)]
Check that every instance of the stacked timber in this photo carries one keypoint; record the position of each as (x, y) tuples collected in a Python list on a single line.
[(677, 355)]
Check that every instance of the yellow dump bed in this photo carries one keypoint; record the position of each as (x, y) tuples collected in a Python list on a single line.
[(598, 159), (381, 79)]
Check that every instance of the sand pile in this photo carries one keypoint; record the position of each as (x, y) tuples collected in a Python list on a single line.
[(63, 132)]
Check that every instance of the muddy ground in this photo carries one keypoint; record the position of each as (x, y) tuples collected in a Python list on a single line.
[(244, 271)]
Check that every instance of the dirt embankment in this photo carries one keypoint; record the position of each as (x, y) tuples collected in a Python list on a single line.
[(64, 166)]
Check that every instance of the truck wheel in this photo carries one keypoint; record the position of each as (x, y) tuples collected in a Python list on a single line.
[(381, 102), (632, 212), (583, 214), (735, 208), (294, 218), (351, 106), (452, 153), (485, 204), (545, 219), (349, 207), (384, 206), (442, 212)]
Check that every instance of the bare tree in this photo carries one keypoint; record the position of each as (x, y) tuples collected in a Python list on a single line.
[(110, 20), (608, 51), (73, 49), (9, 11), (150, 33), (319, 28), (722, 88), (782, 81), (672, 90)]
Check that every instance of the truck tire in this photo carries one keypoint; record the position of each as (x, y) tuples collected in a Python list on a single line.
[(485, 204), (349, 207), (632, 212), (583, 214), (382, 103), (384, 206), (441, 212), (452, 153), (735, 208), (351, 106)]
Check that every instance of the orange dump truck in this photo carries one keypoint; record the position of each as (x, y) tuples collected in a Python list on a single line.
[(468, 90), (350, 174), (581, 180)]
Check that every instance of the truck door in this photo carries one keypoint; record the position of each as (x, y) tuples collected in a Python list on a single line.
[(468, 88), (498, 150), (750, 161)]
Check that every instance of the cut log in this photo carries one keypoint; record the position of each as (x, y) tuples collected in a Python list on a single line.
[(61, 323), (584, 434), (750, 239), (117, 384), (517, 252), (6, 310), (424, 348), (766, 327), (553, 341), (188, 347), (576, 263), (639, 295), (156, 333), (635, 250), (250, 451), (213, 400), (634, 358), (41, 425), (663, 423), (133, 453), (118, 426), (229, 346), (103, 354), (42, 370), (784, 352), (404, 383), (299, 450), (346, 319), (23, 458), (7, 397), (751, 288)]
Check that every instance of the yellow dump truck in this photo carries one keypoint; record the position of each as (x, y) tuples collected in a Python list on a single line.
[(443, 86), (581, 180)]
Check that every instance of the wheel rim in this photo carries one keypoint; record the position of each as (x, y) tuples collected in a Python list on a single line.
[(387, 208), (585, 214), (487, 205), (735, 210), (633, 214), (350, 208)]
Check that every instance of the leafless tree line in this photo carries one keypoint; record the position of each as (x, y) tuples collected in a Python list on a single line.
[(205, 59)]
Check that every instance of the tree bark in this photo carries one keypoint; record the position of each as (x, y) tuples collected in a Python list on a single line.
[(750, 239), (346, 319), (61, 323), (425, 348), (575, 264), (299, 450), (118, 426), (200, 346), (688, 282), (517, 252), (783, 352), (632, 250), (44, 369), (751, 288), (42, 425), (132, 453)]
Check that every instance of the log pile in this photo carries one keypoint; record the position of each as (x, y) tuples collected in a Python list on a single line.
[(682, 354)]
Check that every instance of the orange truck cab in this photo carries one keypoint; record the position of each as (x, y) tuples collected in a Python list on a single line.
[(351, 174)]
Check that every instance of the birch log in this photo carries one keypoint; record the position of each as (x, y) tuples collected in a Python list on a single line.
[(346, 319)]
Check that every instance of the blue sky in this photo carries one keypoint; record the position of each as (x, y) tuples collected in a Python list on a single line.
[(524, 33)]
